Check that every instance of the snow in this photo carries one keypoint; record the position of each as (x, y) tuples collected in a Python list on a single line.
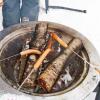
[(88, 24)]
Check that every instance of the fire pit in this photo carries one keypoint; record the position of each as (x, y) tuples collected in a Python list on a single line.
[(76, 75)]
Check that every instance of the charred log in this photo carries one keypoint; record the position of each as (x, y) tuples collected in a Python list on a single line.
[(48, 78)]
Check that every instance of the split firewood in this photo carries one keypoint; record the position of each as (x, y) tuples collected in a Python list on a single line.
[(22, 68), (20, 65), (40, 38), (31, 77), (39, 42), (29, 66), (23, 61), (48, 78), (16, 71), (55, 51), (65, 46), (30, 81)]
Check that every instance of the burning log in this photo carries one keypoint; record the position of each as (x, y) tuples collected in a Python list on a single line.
[(30, 64), (16, 71), (20, 65), (48, 78), (39, 43), (30, 81), (22, 68), (23, 61), (40, 39)]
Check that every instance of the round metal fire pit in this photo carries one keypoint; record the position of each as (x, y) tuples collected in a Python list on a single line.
[(86, 78)]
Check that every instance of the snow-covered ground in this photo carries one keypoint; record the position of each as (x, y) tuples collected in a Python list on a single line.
[(0, 18), (88, 24)]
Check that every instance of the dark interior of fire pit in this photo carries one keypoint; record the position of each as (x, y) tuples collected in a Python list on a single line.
[(71, 76)]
